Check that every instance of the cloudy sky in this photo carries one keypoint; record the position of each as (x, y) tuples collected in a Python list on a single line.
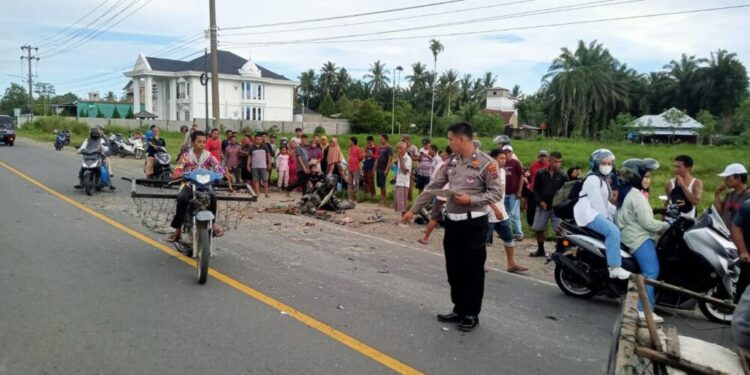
[(81, 53)]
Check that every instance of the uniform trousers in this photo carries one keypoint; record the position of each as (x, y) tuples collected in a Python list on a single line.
[(465, 249)]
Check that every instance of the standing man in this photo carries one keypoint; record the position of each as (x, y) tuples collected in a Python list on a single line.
[(547, 182), (540, 163), (425, 165), (513, 191), (684, 190), (298, 136), (213, 144), (353, 165), (735, 178), (473, 175), (383, 165), (303, 165), (225, 142), (403, 172), (258, 162), (413, 153), (741, 237)]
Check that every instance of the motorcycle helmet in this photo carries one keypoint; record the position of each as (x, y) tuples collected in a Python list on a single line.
[(633, 170), (501, 140), (599, 155), (183, 128), (95, 133)]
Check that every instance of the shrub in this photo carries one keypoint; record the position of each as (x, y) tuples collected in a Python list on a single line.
[(319, 130), (48, 125), (116, 113)]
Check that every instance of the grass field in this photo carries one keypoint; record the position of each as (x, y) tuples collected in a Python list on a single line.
[(709, 160)]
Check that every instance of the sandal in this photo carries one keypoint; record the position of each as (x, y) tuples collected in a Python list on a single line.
[(422, 241), (517, 268), (174, 237)]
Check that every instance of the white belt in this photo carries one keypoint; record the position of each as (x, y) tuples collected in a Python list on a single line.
[(465, 216)]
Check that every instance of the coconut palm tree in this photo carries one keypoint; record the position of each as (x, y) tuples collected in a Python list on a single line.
[(343, 81), (450, 90), (327, 77), (110, 97), (418, 78), (686, 76), (435, 47), (724, 83), (465, 90), (307, 85), (378, 77)]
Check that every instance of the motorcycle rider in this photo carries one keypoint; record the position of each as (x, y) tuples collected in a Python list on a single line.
[(95, 142), (636, 220), (594, 209), (196, 158)]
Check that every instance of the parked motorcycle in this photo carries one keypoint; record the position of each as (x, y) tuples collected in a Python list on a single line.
[(162, 166), (697, 255), (62, 140), (130, 147)]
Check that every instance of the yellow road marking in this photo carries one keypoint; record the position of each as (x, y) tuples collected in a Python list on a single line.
[(309, 321)]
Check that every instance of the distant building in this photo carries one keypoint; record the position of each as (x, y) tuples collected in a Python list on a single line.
[(502, 104), (671, 125), (90, 108), (171, 89)]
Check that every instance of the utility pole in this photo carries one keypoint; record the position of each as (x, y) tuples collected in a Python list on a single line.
[(215, 108), (29, 57)]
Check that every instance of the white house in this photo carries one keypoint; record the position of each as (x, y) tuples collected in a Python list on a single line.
[(500, 103), (671, 124), (171, 89)]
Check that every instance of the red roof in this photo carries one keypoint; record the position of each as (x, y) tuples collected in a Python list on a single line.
[(506, 115)]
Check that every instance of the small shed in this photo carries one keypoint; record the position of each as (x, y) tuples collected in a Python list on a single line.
[(670, 126)]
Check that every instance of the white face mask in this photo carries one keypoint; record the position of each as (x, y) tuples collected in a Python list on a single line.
[(605, 169)]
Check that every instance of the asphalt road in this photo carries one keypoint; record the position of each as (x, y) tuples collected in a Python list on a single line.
[(78, 295)]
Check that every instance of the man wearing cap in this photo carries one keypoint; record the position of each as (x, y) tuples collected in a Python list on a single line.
[(473, 176), (513, 191), (735, 179), (541, 162)]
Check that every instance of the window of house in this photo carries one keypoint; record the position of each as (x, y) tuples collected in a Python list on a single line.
[(186, 113), (253, 113), (252, 91), (181, 90), (187, 89)]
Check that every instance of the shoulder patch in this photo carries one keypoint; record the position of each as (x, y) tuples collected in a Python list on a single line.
[(492, 170)]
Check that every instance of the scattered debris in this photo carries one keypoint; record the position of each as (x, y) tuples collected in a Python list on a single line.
[(445, 329), (277, 224), (551, 317), (340, 307), (283, 313)]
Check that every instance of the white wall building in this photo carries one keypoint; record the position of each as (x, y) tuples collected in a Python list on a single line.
[(171, 89), (499, 99)]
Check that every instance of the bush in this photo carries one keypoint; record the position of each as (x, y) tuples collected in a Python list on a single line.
[(729, 140), (327, 107), (48, 125), (368, 117), (486, 124), (115, 129), (116, 113), (99, 113), (130, 114), (319, 130)]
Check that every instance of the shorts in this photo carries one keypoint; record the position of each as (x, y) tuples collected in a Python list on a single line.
[(353, 185), (504, 230), (541, 217), (260, 174), (437, 210), (380, 179), (422, 181)]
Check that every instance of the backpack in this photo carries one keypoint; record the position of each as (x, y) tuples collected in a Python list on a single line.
[(567, 197)]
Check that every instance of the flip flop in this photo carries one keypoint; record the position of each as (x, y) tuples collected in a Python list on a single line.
[(516, 269), (422, 241)]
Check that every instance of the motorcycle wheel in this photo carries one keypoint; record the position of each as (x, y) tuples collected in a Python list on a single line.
[(715, 313), (571, 284), (138, 154), (123, 154), (204, 251), (88, 183)]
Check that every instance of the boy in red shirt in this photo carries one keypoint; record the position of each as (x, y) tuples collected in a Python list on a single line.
[(353, 164)]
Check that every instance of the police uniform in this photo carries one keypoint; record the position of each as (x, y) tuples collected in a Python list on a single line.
[(465, 237)]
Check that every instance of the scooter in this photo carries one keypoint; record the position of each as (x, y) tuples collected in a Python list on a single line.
[(94, 175), (62, 140), (162, 166), (122, 147), (697, 255)]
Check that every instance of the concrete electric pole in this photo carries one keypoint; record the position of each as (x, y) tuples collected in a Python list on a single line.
[(29, 57), (215, 107)]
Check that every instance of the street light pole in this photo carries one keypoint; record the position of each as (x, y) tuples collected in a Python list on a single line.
[(395, 87)]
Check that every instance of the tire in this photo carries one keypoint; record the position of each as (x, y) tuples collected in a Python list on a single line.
[(123, 154), (204, 251), (570, 285), (717, 314), (138, 153), (10, 144), (88, 183)]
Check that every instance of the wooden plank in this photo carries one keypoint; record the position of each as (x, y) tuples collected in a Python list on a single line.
[(681, 364), (673, 343)]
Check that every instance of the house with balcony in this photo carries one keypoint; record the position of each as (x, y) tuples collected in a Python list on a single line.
[(171, 89)]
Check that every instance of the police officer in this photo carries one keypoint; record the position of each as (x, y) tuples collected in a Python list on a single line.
[(473, 177)]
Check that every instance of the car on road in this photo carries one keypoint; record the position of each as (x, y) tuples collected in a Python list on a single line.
[(7, 130)]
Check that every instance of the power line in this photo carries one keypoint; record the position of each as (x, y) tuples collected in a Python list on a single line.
[(98, 32), (85, 28), (579, 6), (326, 41), (72, 24), (382, 20), (342, 16)]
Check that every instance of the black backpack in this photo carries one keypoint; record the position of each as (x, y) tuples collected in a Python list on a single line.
[(567, 197)]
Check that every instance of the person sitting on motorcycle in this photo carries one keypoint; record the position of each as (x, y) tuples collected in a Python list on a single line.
[(95, 142), (196, 158), (635, 217), (594, 209), (152, 148)]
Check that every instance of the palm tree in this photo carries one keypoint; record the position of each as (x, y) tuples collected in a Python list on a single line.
[(583, 89), (343, 81), (466, 93), (686, 75), (449, 89), (724, 83), (110, 97), (418, 78), (516, 91), (307, 85), (487, 82), (378, 77), (435, 47), (327, 77)]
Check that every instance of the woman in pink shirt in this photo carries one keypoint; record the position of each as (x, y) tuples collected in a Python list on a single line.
[(282, 164), (353, 163)]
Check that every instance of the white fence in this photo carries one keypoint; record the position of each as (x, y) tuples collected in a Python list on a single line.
[(331, 128)]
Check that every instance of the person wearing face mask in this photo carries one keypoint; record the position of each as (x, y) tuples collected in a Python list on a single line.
[(595, 211), (635, 217)]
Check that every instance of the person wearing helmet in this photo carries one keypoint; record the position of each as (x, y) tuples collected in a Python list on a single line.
[(95, 142), (595, 211), (635, 217)]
